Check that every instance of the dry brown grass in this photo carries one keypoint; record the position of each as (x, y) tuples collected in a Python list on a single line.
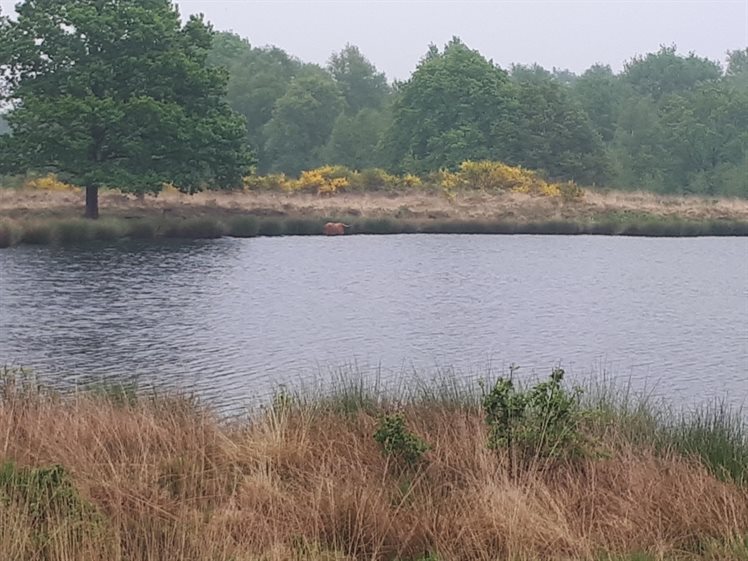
[(170, 481), (25, 204)]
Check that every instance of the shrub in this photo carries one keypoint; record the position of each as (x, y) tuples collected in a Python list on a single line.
[(271, 182), (47, 183), (374, 179), (398, 442), (541, 423), (410, 181), (496, 176), (324, 180), (570, 191)]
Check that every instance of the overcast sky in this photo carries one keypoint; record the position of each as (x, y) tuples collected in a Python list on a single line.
[(566, 34)]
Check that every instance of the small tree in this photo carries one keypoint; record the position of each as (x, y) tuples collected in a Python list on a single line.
[(117, 94), (542, 422), (398, 442)]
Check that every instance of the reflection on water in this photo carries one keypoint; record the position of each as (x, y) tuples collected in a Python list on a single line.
[(231, 319)]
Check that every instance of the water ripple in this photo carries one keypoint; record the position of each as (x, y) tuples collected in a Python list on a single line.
[(230, 319)]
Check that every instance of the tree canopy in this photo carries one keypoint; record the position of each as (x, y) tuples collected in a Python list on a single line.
[(118, 94), (124, 94), (451, 109)]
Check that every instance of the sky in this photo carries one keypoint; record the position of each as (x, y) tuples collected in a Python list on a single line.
[(395, 34)]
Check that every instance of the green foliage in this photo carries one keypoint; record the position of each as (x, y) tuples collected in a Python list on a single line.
[(544, 422), (666, 72), (398, 442), (434, 125), (129, 101), (552, 132), (258, 78), (120, 394), (360, 83), (716, 435), (669, 123), (599, 93), (355, 139), (302, 122), (49, 501)]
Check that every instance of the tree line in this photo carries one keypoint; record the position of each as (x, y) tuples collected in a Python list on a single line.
[(127, 94), (668, 122)]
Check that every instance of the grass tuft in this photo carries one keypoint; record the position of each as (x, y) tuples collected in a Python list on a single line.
[(243, 227), (9, 234), (194, 228), (73, 230)]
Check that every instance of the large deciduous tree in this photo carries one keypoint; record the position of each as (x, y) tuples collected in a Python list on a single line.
[(302, 122), (666, 72), (118, 93), (361, 84), (453, 108), (554, 134)]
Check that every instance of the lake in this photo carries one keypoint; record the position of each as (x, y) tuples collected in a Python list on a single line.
[(231, 319)]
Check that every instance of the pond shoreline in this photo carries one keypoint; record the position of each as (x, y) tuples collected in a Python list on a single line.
[(33, 216), (76, 230)]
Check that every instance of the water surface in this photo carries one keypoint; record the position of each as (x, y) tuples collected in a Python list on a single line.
[(231, 319)]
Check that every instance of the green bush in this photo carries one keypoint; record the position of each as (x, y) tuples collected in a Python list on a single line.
[(544, 422), (398, 442), (50, 502)]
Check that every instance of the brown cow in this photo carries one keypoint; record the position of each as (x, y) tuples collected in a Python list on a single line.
[(335, 228)]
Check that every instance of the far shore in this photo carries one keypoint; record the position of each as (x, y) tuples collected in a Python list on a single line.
[(39, 216)]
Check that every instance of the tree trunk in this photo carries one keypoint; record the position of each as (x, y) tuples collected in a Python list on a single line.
[(92, 202)]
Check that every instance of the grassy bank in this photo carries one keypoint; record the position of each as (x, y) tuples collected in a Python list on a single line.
[(76, 230), (38, 216), (355, 474)]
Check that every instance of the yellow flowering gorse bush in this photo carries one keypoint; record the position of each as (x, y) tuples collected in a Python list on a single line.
[(48, 182), (488, 176)]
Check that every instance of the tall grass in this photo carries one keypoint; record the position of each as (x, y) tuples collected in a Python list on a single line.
[(163, 477), (67, 231)]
